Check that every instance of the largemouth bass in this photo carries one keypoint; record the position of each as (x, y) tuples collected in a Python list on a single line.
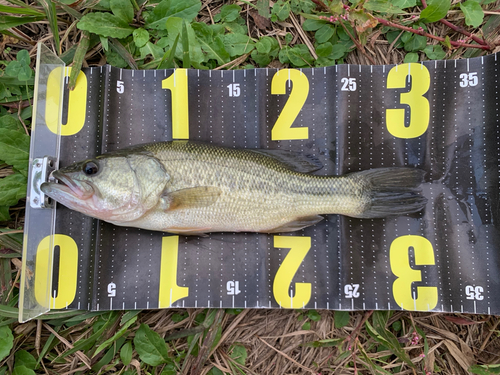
[(194, 188)]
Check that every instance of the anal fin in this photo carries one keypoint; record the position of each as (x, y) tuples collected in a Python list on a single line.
[(297, 224)]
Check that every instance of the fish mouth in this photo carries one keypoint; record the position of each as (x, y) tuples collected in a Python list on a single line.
[(67, 187)]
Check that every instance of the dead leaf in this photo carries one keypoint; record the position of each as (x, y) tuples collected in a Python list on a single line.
[(462, 320), (261, 22), (459, 356)]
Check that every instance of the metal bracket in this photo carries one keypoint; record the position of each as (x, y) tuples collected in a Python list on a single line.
[(41, 172)]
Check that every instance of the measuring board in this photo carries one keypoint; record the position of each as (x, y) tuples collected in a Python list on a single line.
[(439, 116)]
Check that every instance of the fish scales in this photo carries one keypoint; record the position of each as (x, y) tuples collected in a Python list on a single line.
[(258, 192), (193, 188)]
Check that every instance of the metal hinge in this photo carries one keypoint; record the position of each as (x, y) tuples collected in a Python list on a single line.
[(40, 173)]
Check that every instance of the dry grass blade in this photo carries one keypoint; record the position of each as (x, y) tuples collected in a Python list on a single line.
[(288, 357), (209, 343), (463, 360), (80, 355), (50, 11)]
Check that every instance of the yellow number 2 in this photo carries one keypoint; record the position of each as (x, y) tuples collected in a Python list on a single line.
[(427, 296), (299, 247), (282, 129), (419, 105)]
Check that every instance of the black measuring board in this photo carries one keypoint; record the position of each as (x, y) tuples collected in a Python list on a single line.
[(439, 116)]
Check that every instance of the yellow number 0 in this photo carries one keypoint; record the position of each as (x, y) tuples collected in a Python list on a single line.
[(169, 290), (427, 297), (68, 271), (77, 102), (177, 83), (282, 129), (419, 106), (299, 247)]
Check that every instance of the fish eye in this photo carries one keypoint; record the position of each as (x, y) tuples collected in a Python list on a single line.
[(90, 168)]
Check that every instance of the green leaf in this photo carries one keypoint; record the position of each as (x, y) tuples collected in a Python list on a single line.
[(341, 318), (4, 213), (169, 369), (23, 358), (312, 24), (16, 10), (263, 8), (306, 326), (264, 45), (324, 33), (238, 44), (174, 28), (338, 51), (14, 149), (380, 333), (436, 10), (485, 369), (212, 45), (116, 336), (314, 315), (113, 58), (411, 57), (415, 43), (6, 341), (23, 57), (435, 52), (305, 6), (473, 13), (7, 22), (123, 9), (281, 10), (22, 370), (151, 49), (404, 3), (151, 348), (126, 353), (104, 42), (382, 6), (298, 55), (324, 49), (239, 353), (12, 188), (50, 11), (9, 122), (230, 12), (105, 24), (186, 9)]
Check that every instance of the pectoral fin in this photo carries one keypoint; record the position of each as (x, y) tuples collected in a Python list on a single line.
[(300, 223), (201, 196)]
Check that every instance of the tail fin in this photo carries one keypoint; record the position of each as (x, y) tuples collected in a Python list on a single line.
[(393, 191)]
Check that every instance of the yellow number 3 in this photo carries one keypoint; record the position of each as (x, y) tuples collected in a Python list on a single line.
[(427, 296), (419, 105)]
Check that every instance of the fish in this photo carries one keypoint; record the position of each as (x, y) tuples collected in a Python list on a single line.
[(192, 188)]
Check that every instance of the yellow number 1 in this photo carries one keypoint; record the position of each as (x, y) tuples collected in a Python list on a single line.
[(177, 83), (170, 292)]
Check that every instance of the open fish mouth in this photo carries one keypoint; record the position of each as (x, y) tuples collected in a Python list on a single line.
[(67, 187)]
